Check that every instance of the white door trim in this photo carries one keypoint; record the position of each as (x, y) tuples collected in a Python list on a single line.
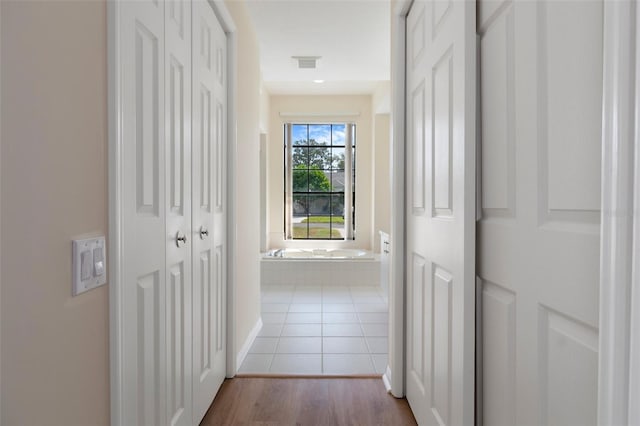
[(619, 368), (116, 195), (116, 192), (1, 396), (394, 377), (229, 28)]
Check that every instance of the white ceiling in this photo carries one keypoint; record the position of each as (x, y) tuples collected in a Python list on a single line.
[(351, 36)]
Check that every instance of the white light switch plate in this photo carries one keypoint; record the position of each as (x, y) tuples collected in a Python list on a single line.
[(89, 264)]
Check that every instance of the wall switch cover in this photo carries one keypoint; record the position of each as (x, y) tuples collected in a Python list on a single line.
[(89, 264)]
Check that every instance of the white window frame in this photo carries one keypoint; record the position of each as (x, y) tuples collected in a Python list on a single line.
[(348, 179)]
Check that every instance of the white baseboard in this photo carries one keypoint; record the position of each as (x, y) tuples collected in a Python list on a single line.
[(386, 379), (242, 354)]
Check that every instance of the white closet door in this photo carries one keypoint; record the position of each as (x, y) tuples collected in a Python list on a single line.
[(177, 176), (440, 211), (541, 67), (208, 189), (156, 172), (144, 239)]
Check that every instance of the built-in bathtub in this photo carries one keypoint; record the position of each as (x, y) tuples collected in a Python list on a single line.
[(348, 267)]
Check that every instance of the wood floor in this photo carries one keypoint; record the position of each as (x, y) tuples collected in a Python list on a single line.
[(306, 401)]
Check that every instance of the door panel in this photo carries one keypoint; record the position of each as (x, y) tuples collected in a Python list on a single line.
[(178, 210), (441, 211), (209, 236), (143, 215), (538, 240)]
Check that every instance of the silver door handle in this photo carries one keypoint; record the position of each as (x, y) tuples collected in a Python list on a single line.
[(179, 239), (203, 232)]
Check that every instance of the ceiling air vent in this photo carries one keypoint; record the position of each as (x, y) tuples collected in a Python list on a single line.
[(306, 62)]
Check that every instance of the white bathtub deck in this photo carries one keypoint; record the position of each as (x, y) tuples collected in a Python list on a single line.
[(320, 330)]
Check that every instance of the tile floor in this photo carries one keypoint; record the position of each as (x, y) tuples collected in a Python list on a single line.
[(320, 330)]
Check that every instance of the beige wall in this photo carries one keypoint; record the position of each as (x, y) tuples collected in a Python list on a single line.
[(55, 364), (247, 175), (382, 179), (320, 109)]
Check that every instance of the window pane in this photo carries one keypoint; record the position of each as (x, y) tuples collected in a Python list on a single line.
[(337, 158), (300, 157), (300, 230), (337, 180), (319, 205), (320, 158), (320, 133), (318, 181), (300, 181), (299, 134), (338, 134), (300, 205), (337, 206)]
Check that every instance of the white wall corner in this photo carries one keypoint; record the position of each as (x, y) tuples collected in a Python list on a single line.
[(619, 347), (244, 350), (229, 26), (397, 234)]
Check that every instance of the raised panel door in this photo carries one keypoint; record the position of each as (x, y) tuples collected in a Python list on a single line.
[(538, 239), (177, 177), (208, 192), (143, 273), (440, 211)]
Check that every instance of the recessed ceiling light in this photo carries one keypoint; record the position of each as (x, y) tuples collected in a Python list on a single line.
[(318, 81)]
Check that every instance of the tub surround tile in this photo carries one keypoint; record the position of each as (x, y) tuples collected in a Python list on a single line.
[(300, 345), (314, 273)]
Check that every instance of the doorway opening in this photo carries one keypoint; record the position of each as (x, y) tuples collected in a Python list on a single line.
[(323, 309)]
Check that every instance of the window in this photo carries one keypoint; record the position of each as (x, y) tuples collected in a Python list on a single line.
[(319, 181)]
